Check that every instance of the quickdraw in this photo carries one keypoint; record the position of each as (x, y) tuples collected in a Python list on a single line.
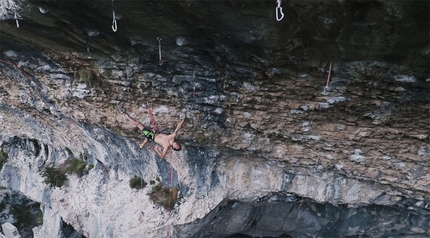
[(160, 61), (326, 88), (279, 10), (114, 24), (16, 20)]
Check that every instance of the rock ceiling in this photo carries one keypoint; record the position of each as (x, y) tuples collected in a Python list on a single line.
[(251, 86)]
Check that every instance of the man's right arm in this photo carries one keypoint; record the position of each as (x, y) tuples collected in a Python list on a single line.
[(179, 126)]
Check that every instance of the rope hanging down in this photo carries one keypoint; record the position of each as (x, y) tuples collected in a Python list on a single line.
[(114, 25), (279, 10), (152, 121), (170, 193), (155, 128), (326, 88), (160, 61)]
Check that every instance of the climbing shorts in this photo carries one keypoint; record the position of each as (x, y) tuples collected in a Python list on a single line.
[(148, 133)]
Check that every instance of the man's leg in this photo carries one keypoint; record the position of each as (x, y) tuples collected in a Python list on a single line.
[(134, 122)]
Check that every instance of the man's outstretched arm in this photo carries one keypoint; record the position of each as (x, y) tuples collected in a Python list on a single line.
[(179, 126), (161, 154)]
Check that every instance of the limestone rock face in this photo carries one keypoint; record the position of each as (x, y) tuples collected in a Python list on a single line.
[(313, 126)]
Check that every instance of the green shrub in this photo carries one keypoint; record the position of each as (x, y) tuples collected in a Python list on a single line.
[(53, 177), (90, 167), (39, 218), (75, 166), (137, 183), (164, 196), (3, 158), (22, 215)]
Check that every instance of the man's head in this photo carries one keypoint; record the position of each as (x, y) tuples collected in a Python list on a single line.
[(176, 146)]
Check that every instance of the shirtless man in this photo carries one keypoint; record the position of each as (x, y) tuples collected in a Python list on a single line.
[(166, 141)]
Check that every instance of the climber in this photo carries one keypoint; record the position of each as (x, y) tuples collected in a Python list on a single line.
[(166, 141)]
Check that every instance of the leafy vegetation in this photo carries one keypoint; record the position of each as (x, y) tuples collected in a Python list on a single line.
[(164, 196), (3, 158), (26, 213), (39, 218), (75, 166), (22, 215), (137, 183), (53, 177)]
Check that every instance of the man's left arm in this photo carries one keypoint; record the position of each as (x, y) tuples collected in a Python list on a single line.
[(163, 153)]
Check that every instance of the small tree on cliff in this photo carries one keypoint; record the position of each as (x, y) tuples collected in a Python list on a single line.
[(52, 176)]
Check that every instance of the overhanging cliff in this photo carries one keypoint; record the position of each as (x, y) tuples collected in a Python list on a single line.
[(264, 139)]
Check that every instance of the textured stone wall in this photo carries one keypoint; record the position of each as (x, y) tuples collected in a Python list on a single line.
[(262, 139)]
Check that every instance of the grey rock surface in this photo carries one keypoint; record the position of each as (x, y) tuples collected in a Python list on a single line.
[(271, 147)]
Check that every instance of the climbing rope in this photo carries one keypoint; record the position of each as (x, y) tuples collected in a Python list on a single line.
[(160, 61), (279, 10), (170, 193), (169, 157), (114, 24), (16, 20), (152, 121), (23, 72), (326, 88), (88, 49)]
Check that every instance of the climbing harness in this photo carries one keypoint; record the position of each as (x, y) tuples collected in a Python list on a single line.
[(326, 88), (88, 49), (16, 20), (152, 121), (160, 61), (279, 10), (114, 24)]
